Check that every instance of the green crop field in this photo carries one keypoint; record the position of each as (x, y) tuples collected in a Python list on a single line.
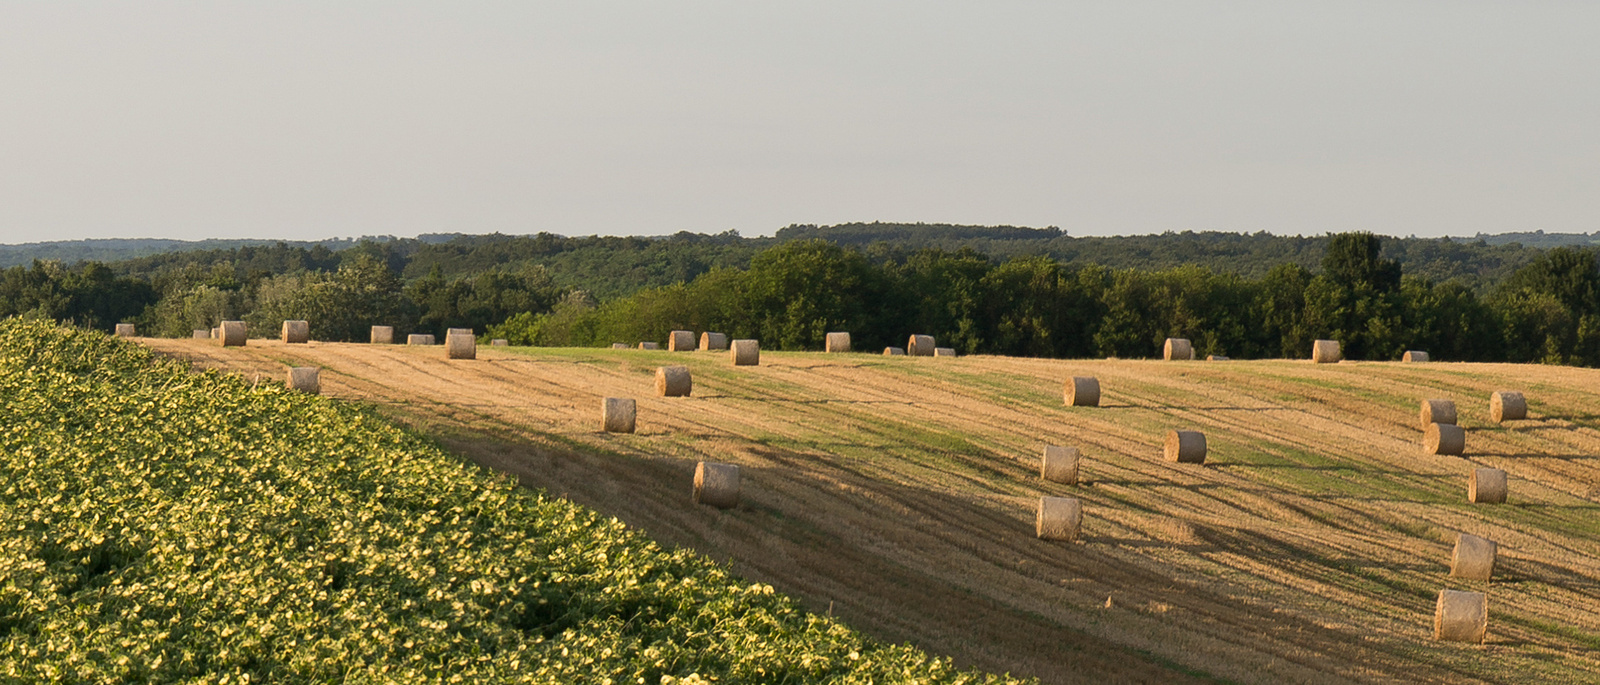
[(159, 525)]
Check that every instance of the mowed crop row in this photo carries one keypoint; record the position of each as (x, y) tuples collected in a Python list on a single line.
[(900, 492)]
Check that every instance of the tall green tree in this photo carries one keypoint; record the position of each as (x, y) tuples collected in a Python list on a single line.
[(1035, 307), (799, 291), (1551, 309), (942, 294), (1356, 299)]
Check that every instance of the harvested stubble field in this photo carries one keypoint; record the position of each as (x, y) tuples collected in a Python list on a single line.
[(899, 494)]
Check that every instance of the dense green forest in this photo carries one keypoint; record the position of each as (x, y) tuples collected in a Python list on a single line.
[(1247, 254), (1001, 290)]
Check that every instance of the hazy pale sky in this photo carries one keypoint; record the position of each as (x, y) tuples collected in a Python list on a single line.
[(307, 120)]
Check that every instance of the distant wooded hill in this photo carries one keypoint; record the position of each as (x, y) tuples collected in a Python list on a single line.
[(614, 266), (117, 249)]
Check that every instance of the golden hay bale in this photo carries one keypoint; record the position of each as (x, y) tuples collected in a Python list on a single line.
[(673, 381), (1216, 358), (1185, 447), (1081, 391), (1059, 465), (1473, 557), (296, 331), (1461, 616), (1177, 349), (1438, 411), (1444, 438), (1414, 356), (125, 330), (713, 342), (466, 331), (460, 345), (1325, 351), (1486, 486), (944, 351), (836, 342), (680, 341), (716, 485), (216, 332), (202, 334), (920, 346), (1507, 405), (745, 353), (500, 342), (232, 333), (617, 414), (619, 346), (649, 346), (382, 335), (420, 339), (305, 379), (894, 352), (1060, 518)]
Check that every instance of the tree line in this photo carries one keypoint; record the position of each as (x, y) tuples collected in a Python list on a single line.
[(794, 293), (790, 293)]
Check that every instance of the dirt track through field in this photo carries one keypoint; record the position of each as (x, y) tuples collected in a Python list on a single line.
[(900, 493)]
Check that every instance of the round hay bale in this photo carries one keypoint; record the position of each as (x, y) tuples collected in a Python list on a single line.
[(500, 342), (202, 334), (673, 381), (1414, 356), (296, 331), (649, 346), (680, 341), (1438, 411), (1461, 616), (716, 485), (1059, 465), (1473, 558), (305, 379), (1082, 391), (1060, 518), (216, 332), (420, 339), (382, 335), (1486, 486), (1216, 358), (713, 342), (617, 414), (746, 353), (619, 346), (836, 342), (232, 333), (1444, 438), (920, 346), (1325, 351), (894, 352), (125, 330), (944, 351), (1507, 405), (1177, 349), (1185, 447), (459, 345)]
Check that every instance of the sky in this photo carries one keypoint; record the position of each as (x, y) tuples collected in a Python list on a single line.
[(306, 120)]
